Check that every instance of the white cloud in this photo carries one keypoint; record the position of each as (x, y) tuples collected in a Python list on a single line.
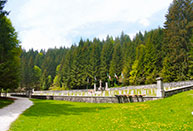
[(47, 23), (144, 22)]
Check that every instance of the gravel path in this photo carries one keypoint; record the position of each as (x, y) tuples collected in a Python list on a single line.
[(11, 112)]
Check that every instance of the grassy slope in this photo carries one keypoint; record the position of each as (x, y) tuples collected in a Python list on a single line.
[(173, 113), (4, 102)]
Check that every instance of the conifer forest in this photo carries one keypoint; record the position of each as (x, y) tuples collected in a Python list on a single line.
[(163, 52)]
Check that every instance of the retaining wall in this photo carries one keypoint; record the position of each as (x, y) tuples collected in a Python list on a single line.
[(147, 90), (91, 97), (178, 90)]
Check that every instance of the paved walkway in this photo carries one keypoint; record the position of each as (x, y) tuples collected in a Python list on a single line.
[(11, 112)]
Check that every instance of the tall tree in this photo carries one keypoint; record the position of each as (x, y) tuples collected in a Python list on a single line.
[(153, 55), (178, 31), (9, 52), (106, 56), (190, 71), (94, 62), (116, 62)]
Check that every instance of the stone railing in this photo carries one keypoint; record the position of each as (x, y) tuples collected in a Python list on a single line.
[(147, 90), (130, 93), (178, 90)]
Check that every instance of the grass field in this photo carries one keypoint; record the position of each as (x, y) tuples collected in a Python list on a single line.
[(5, 101), (172, 113)]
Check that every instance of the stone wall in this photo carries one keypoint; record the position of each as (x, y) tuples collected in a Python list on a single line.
[(178, 90), (91, 99), (147, 90), (127, 94), (173, 85)]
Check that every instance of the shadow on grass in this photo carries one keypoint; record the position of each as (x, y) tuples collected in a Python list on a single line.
[(4, 101), (56, 108)]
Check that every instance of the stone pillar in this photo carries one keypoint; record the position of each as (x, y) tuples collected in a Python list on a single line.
[(160, 87), (106, 85), (94, 86)]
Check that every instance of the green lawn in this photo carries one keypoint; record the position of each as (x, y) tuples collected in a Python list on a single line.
[(172, 113), (5, 101)]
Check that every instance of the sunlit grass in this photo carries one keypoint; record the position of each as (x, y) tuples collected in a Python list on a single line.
[(172, 113)]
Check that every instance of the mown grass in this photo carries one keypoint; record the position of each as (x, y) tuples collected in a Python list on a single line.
[(5, 101), (172, 113)]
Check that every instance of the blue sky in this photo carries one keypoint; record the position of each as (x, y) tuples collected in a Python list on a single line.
[(43, 24)]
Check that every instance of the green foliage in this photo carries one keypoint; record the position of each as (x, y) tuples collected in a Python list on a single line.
[(106, 56), (153, 55), (9, 52), (136, 75), (190, 71), (177, 35), (94, 62), (133, 73), (46, 61), (160, 52), (37, 72), (116, 62)]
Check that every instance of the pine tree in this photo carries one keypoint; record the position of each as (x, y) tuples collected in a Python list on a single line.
[(9, 52), (153, 55), (77, 68), (67, 68), (116, 62), (190, 71), (178, 31), (106, 57), (94, 62)]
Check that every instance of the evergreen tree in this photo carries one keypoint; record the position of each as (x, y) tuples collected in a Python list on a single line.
[(67, 67), (153, 55), (190, 71), (106, 56), (94, 62), (116, 62), (178, 31), (9, 52)]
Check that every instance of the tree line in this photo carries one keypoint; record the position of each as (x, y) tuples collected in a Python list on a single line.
[(163, 52), (10, 52)]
